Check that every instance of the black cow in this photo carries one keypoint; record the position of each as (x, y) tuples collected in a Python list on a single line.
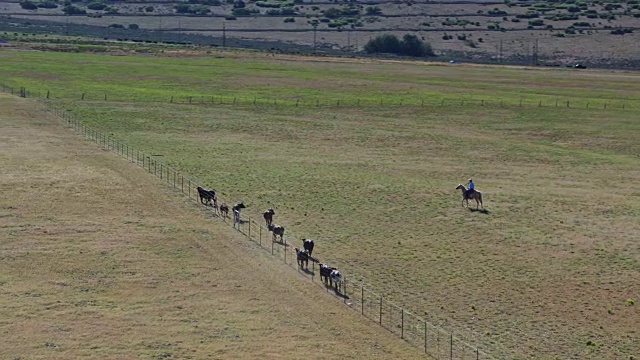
[(336, 278), (303, 257), (268, 216), (325, 272), (308, 246), (207, 196), (277, 230)]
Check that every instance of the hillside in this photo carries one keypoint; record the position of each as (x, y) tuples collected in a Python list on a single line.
[(552, 33)]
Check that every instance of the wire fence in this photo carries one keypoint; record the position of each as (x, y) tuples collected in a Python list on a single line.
[(436, 342), (461, 101)]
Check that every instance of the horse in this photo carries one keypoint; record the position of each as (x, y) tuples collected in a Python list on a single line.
[(466, 195), (268, 216), (224, 210), (207, 196), (308, 245), (277, 230), (303, 257)]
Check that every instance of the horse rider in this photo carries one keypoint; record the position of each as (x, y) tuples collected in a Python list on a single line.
[(471, 187)]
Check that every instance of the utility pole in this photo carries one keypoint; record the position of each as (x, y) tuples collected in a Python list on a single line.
[(224, 34), (315, 27)]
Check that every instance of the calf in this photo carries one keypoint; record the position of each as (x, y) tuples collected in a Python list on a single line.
[(268, 216), (303, 257), (277, 230), (224, 210), (337, 279), (308, 245)]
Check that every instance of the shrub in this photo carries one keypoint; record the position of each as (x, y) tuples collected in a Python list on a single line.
[(96, 5), (149, 9), (134, 26), (289, 20), (48, 4), (239, 4), (537, 22), (116, 26), (373, 10), (28, 5), (73, 10), (241, 12)]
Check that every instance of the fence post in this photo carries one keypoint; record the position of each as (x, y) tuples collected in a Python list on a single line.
[(260, 232), (285, 251), (182, 183), (380, 310), (271, 246), (401, 323), (174, 179), (426, 336), (451, 348), (249, 228), (160, 170), (477, 354), (189, 188), (362, 298)]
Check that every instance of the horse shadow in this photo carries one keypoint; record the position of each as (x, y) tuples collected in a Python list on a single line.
[(482, 211), (280, 242)]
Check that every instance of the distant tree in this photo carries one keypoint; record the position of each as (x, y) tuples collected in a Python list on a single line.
[(134, 26), (239, 4), (413, 46), (149, 8), (73, 10), (385, 43), (410, 45), (28, 5)]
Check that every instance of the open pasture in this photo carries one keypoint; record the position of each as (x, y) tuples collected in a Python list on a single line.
[(550, 270), (100, 261)]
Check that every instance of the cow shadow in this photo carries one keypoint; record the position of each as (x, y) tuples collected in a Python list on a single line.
[(481, 211)]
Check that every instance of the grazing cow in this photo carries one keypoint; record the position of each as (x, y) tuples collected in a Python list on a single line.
[(325, 272), (303, 257), (308, 245), (268, 216), (207, 196), (277, 230), (224, 210), (337, 279)]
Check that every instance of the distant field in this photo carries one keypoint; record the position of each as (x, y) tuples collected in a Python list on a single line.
[(549, 271), (545, 32), (100, 261)]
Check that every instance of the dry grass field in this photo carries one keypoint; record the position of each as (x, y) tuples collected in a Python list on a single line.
[(99, 260)]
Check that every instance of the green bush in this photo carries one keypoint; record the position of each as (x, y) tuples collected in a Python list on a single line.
[(410, 45), (134, 27)]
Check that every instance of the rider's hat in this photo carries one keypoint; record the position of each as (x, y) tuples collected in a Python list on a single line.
[(470, 180)]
